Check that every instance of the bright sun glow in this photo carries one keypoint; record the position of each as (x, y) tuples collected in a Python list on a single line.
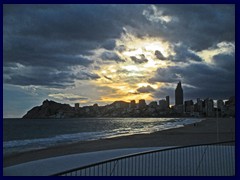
[(132, 68), (124, 78), (133, 53), (155, 86)]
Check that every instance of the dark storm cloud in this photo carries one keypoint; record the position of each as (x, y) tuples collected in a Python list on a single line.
[(167, 75), (43, 76), (95, 23), (82, 75), (109, 44), (159, 55), (111, 56), (201, 80), (191, 27), (165, 91), (197, 26), (108, 78), (121, 48), (225, 61), (59, 37), (145, 89), (67, 22), (184, 54), (140, 60)]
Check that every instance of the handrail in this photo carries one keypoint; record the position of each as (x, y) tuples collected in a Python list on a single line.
[(139, 154)]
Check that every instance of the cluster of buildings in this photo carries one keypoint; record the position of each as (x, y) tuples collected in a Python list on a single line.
[(201, 108), (163, 104)]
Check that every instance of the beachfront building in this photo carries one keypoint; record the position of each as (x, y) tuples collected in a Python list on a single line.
[(163, 105), (220, 108), (179, 109), (230, 107), (179, 94), (132, 104), (189, 107), (120, 104), (168, 101), (199, 105), (208, 108), (142, 103), (220, 104), (153, 104)]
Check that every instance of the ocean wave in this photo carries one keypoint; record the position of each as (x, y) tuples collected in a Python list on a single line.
[(39, 143)]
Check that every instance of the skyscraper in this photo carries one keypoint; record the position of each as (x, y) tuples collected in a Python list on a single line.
[(167, 99), (179, 94), (142, 103)]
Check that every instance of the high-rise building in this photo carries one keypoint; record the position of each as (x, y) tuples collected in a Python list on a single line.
[(199, 105), (230, 106), (167, 99), (163, 105), (208, 107), (132, 104), (153, 104), (220, 104), (142, 103), (189, 107), (179, 94)]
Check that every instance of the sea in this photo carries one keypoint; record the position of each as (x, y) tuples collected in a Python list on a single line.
[(20, 135)]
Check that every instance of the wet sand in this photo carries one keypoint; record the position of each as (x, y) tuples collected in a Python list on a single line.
[(198, 133)]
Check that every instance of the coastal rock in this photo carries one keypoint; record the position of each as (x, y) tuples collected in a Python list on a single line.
[(50, 109)]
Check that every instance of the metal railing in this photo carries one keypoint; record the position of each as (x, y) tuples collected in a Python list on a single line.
[(216, 159)]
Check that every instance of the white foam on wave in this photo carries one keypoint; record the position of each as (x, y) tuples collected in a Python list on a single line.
[(39, 143)]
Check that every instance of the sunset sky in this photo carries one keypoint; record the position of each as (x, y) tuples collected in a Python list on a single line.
[(103, 53)]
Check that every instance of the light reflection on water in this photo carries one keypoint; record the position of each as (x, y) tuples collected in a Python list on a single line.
[(23, 134)]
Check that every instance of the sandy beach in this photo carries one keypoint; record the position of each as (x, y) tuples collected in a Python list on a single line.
[(199, 133)]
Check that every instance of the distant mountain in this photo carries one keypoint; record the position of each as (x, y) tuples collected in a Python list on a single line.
[(49, 109)]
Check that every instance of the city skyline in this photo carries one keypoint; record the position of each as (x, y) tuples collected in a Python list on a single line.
[(96, 54), (188, 108)]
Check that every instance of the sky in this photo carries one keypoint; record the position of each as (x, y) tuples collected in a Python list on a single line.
[(103, 53)]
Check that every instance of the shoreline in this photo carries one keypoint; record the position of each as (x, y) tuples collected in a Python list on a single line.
[(192, 134), (105, 117)]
